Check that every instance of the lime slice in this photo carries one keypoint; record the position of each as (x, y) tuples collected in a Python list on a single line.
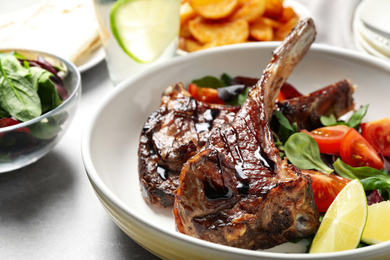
[(343, 223), (378, 223), (145, 28)]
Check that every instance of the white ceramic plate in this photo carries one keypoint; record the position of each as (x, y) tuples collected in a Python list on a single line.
[(376, 12), (110, 140), (371, 11), (363, 45), (91, 59), (11, 12)]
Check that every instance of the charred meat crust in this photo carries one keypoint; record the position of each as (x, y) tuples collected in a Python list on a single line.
[(335, 99), (170, 136), (238, 191)]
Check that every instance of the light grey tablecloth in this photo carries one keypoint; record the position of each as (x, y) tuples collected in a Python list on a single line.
[(48, 210)]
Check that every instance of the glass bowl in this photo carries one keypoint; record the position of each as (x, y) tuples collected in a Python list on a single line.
[(26, 142)]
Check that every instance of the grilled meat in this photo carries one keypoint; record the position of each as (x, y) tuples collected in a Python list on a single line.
[(170, 136), (238, 191), (306, 111)]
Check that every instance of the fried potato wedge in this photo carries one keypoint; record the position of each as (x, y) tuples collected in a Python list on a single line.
[(249, 10), (185, 31), (285, 29), (214, 9), (273, 8), (210, 23), (221, 33), (261, 31), (186, 13), (193, 45)]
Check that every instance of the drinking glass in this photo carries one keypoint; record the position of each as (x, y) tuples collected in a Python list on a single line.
[(120, 64)]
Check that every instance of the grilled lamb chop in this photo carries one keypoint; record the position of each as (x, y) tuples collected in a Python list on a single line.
[(335, 99), (238, 191), (171, 135), (181, 126)]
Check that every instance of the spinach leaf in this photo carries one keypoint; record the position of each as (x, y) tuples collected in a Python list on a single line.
[(226, 79), (240, 98), (17, 95), (303, 151), (371, 179), (47, 91), (353, 122), (228, 93), (285, 128), (4, 113), (209, 82), (328, 120), (45, 129)]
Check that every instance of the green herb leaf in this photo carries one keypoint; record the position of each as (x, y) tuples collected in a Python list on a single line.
[(209, 82), (328, 120), (370, 178), (303, 151), (17, 95), (240, 98), (4, 113), (45, 129), (47, 91), (285, 128), (355, 120), (226, 79)]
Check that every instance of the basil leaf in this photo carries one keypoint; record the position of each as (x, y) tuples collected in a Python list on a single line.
[(355, 120), (47, 91), (208, 82), (18, 96), (303, 151)]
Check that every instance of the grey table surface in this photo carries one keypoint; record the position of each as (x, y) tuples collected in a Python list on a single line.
[(48, 209)]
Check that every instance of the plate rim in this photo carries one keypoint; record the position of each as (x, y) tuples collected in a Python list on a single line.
[(96, 181)]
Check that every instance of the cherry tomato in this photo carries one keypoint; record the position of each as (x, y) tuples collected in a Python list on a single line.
[(287, 91), (357, 151), (377, 133), (329, 137), (325, 188), (208, 95)]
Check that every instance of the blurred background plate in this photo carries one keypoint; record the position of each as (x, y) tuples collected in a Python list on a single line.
[(372, 13), (27, 24)]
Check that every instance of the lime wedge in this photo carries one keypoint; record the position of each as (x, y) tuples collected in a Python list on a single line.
[(343, 223), (378, 223), (145, 28)]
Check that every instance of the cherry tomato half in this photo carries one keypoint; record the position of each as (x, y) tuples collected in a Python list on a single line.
[(377, 133), (357, 151), (325, 188), (287, 91), (329, 137), (208, 95)]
